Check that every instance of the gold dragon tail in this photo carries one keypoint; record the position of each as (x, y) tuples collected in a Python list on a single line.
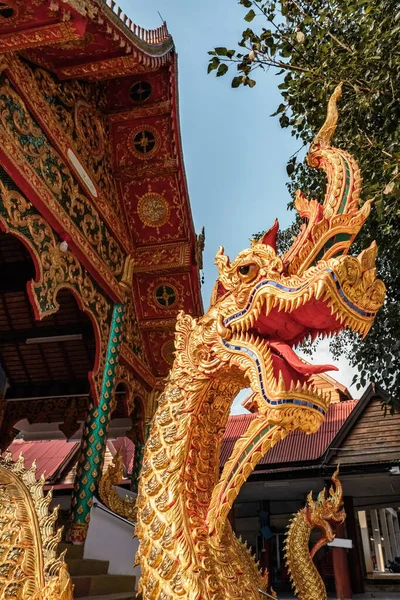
[(29, 566)]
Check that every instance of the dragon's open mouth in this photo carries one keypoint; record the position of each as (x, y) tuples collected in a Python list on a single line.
[(275, 325)]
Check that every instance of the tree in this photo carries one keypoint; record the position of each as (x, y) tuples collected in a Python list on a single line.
[(313, 45)]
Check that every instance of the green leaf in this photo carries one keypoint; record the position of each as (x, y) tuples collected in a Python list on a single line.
[(250, 16), (222, 69), (221, 51), (213, 64), (236, 81)]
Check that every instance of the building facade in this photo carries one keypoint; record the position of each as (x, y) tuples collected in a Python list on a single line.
[(98, 251), (365, 442)]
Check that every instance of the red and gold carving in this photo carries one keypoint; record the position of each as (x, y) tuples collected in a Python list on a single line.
[(163, 257), (168, 351), (153, 210), (125, 133), (173, 228), (50, 181), (135, 387)]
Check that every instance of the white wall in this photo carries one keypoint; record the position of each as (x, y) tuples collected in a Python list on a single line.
[(111, 539)]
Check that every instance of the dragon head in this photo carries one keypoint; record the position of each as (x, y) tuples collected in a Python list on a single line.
[(325, 512), (265, 304)]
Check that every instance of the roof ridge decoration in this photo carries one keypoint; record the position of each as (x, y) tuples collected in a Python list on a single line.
[(156, 42)]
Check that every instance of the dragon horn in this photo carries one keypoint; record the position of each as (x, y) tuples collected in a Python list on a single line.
[(269, 237), (222, 261), (336, 492), (325, 134)]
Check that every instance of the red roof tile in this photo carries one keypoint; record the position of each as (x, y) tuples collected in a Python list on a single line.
[(297, 447), (50, 455)]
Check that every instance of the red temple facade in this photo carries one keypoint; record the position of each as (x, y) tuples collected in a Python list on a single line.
[(98, 251)]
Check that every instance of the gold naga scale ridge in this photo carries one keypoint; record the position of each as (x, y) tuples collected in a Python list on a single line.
[(29, 566)]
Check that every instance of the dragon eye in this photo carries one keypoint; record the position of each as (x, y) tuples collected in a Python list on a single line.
[(248, 272)]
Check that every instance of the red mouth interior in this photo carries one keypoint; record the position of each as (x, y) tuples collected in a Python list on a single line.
[(284, 330)]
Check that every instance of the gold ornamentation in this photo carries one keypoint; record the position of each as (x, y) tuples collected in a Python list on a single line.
[(331, 227), (162, 257), (168, 352), (144, 141), (126, 375), (153, 210), (29, 565), (165, 295), (260, 310), (44, 170), (141, 112), (125, 508), (162, 295), (90, 129), (321, 514)]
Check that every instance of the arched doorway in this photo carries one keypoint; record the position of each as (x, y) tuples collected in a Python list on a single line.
[(44, 365)]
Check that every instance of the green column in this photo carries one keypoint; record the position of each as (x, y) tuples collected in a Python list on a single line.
[(94, 438)]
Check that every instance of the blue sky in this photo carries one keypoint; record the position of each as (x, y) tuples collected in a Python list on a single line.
[(235, 153)]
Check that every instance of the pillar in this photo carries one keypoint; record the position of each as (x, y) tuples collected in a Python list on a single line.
[(362, 518), (354, 555), (392, 533), (377, 541), (139, 433), (137, 466), (397, 529), (266, 550), (385, 534), (341, 568), (94, 438)]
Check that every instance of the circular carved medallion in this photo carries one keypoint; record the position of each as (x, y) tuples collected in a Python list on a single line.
[(153, 210), (140, 91), (167, 351), (144, 142), (6, 11), (166, 295)]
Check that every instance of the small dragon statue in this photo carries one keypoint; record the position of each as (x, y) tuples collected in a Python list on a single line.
[(124, 507), (29, 566), (322, 514), (262, 307)]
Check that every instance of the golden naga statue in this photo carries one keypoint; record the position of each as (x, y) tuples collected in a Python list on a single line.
[(29, 566), (322, 514), (124, 507), (263, 305)]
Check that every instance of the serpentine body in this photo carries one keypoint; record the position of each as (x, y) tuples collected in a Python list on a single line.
[(263, 305)]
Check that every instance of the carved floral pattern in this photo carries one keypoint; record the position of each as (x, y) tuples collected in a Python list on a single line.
[(48, 165)]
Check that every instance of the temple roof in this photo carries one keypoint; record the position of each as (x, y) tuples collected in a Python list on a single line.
[(87, 50)]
